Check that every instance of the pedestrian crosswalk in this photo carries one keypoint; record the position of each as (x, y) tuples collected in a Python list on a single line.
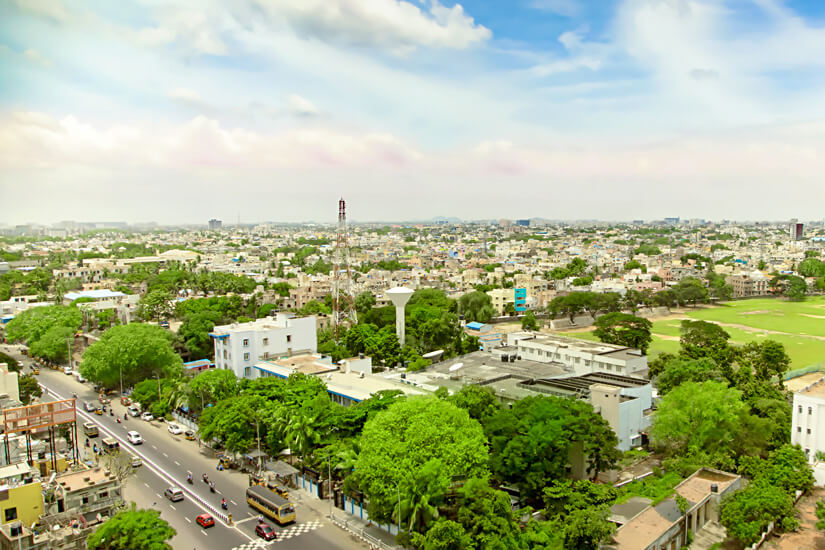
[(284, 534)]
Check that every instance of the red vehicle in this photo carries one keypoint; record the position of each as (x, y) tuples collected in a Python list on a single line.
[(265, 531), (125, 401), (205, 520)]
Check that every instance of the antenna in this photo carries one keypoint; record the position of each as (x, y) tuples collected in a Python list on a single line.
[(343, 302)]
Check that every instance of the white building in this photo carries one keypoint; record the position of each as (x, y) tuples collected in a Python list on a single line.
[(239, 346), (583, 356), (808, 422)]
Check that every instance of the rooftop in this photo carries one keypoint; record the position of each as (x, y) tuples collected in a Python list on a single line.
[(76, 481), (95, 294), (586, 346), (817, 389), (580, 385)]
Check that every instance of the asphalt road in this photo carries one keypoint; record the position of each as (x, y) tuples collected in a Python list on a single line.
[(166, 460)]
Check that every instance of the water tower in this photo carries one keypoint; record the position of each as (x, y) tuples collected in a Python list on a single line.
[(399, 296)]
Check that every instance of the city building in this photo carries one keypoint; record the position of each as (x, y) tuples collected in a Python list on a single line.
[(215, 225), (808, 420), (239, 346), (583, 356), (645, 526), (748, 284)]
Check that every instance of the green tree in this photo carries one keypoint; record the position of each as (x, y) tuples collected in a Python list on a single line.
[(364, 302), (766, 359), (820, 515), (563, 497), (476, 306), (54, 344), (792, 287), (28, 387), (400, 440), (211, 386), (137, 351), (677, 371), (232, 422), (528, 322), (194, 331), (691, 290), (709, 418), (700, 339), (479, 401), (30, 325), (747, 513), (132, 529), (444, 534), (586, 529), (624, 330), (487, 516), (532, 441), (155, 305)]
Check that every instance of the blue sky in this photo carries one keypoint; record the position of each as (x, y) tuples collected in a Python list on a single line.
[(611, 109)]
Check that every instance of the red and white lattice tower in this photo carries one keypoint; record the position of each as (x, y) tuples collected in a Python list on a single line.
[(343, 301)]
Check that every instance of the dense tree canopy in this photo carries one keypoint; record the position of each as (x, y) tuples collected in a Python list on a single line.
[(624, 330), (32, 324), (677, 371), (136, 350), (531, 442), (412, 437), (476, 306), (132, 529)]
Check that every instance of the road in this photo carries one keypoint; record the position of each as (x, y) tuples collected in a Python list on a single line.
[(166, 460)]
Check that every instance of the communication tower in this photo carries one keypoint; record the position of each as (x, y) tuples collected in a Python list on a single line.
[(343, 302)]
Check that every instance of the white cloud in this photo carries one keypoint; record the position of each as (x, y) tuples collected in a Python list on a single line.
[(300, 106), (567, 8), (35, 57), (155, 36), (395, 25), (185, 94), (50, 9)]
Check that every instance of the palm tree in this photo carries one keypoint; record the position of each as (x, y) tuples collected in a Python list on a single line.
[(300, 431), (179, 393), (420, 498)]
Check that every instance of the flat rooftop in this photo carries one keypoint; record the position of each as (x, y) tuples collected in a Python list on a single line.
[(305, 364), (816, 389), (482, 366), (75, 481), (580, 385), (586, 346)]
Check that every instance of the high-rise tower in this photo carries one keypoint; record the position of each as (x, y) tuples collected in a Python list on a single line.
[(343, 301)]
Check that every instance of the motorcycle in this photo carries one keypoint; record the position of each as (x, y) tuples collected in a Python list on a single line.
[(211, 487), (189, 479), (205, 478), (224, 505), (118, 420)]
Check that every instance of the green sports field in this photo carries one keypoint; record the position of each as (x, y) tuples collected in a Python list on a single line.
[(797, 325)]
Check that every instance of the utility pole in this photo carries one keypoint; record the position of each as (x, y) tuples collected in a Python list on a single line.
[(343, 302)]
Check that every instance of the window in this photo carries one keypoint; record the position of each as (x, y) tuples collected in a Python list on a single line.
[(799, 429), (800, 409), (288, 338), (246, 356), (266, 341), (102, 494), (247, 371), (809, 431), (85, 500), (224, 354), (11, 514), (246, 342), (810, 410)]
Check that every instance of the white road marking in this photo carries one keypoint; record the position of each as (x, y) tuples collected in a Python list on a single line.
[(217, 491), (147, 485), (178, 463), (233, 502), (166, 455), (155, 448), (172, 506), (187, 519), (158, 494), (203, 532)]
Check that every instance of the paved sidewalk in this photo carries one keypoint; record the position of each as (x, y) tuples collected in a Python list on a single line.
[(364, 530)]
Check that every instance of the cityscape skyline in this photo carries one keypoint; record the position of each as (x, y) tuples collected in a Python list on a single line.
[(413, 109)]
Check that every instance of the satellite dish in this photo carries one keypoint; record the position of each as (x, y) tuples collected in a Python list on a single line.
[(455, 367)]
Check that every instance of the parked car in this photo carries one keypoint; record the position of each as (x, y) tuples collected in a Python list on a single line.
[(136, 461), (125, 401), (174, 494), (189, 435), (205, 520), (67, 370), (265, 531), (134, 437), (89, 406), (133, 410), (174, 429), (81, 379), (147, 416)]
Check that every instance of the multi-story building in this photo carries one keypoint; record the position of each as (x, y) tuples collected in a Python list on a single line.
[(748, 284), (583, 356), (808, 421), (215, 225), (500, 298), (240, 345)]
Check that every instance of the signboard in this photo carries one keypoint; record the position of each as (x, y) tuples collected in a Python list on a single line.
[(39, 416)]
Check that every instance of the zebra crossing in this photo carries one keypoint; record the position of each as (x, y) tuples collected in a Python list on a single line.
[(285, 534)]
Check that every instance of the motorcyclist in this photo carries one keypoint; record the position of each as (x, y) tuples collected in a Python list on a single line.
[(223, 504), (189, 478), (205, 478), (212, 486)]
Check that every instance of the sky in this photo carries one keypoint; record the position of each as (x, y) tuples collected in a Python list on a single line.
[(270, 110)]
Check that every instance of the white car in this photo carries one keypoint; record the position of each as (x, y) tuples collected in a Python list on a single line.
[(147, 416), (67, 370), (80, 378), (133, 410), (174, 429), (134, 438)]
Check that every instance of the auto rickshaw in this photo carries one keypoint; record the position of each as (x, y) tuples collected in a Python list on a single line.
[(35, 369), (98, 411), (224, 460), (278, 488)]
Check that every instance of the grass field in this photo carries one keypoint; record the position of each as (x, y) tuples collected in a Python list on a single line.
[(793, 324)]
